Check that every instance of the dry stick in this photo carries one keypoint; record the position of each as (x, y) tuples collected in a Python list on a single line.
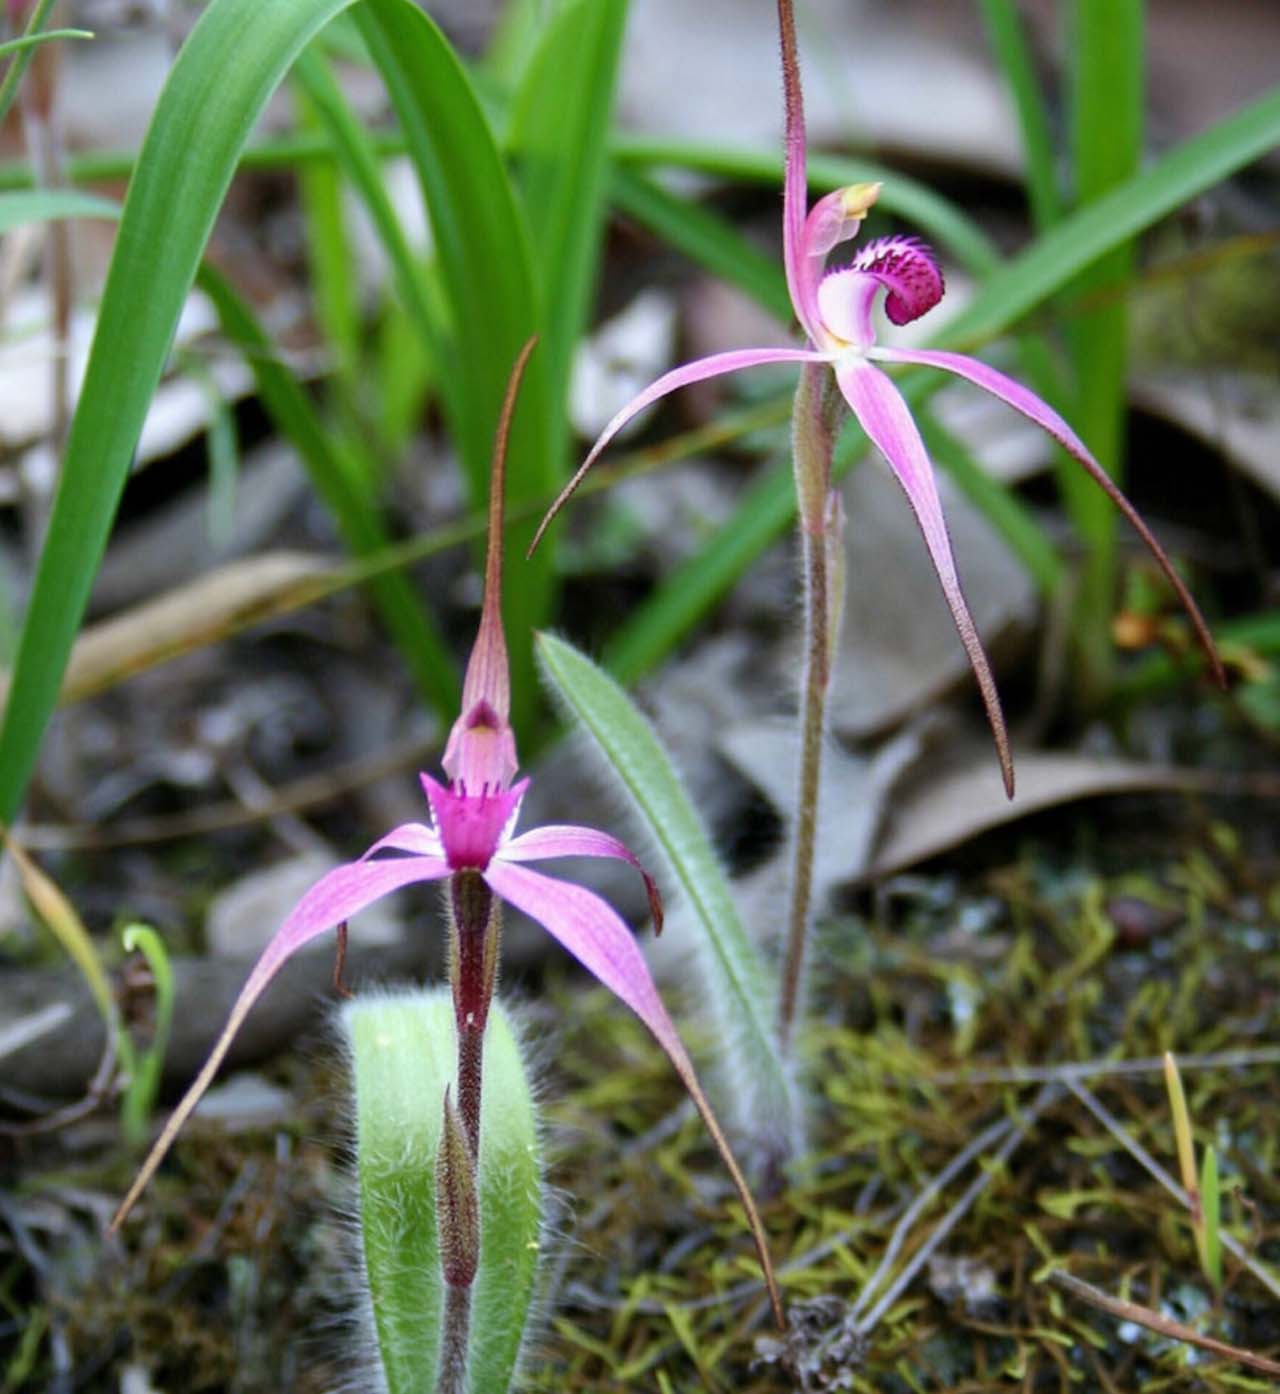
[(1154, 1321), (1145, 1160), (1047, 1095), (1088, 1069)]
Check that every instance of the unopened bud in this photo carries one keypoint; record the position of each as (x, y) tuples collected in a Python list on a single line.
[(457, 1203)]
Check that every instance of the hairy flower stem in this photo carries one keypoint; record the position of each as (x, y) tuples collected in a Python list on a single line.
[(457, 1329), (476, 928), (813, 441)]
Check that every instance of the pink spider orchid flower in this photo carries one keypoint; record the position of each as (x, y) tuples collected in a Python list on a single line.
[(471, 843), (835, 311)]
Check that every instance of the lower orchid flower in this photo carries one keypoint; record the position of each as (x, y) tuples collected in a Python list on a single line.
[(471, 844), (835, 311)]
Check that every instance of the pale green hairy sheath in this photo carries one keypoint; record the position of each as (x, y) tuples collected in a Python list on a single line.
[(402, 1053), (761, 1098)]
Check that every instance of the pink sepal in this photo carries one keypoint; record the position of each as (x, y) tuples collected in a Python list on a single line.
[(888, 422)]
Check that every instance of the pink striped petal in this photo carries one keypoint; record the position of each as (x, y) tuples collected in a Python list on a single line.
[(887, 420), (683, 376), (330, 902), (566, 840), (595, 935), (1044, 416), (417, 838)]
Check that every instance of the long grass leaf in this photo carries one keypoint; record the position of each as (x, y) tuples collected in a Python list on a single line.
[(340, 482), (559, 136), (228, 67), (940, 219), (1108, 57), (703, 236), (486, 273), (1009, 44)]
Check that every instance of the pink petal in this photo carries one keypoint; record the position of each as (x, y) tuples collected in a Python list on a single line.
[(683, 376), (330, 902), (565, 840), (906, 268), (887, 420), (409, 837), (845, 302), (1031, 406), (595, 935)]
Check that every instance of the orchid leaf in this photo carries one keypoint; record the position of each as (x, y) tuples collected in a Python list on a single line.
[(402, 1053), (760, 1092)]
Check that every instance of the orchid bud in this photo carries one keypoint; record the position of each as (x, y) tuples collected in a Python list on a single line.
[(457, 1207)]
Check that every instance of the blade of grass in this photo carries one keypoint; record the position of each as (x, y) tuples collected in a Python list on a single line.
[(202, 121), (559, 135), (1010, 293), (1107, 70), (704, 237), (1009, 44), (949, 227), (339, 477), (341, 482), (24, 51), (330, 265), (20, 45), (358, 155), (486, 274), (20, 206), (1006, 512)]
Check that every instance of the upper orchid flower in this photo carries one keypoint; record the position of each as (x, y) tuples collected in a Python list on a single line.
[(835, 311), (471, 843)]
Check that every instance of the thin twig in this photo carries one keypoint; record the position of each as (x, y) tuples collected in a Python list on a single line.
[(1048, 1095), (1155, 1321)]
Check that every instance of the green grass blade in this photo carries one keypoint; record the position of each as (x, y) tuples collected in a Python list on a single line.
[(20, 206), (1211, 1207), (341, 480), (24, 51), (331, 267), (949, 228), (359, 158), (1009, 44), (1003, 509), (704, 237), (486, 273), (1108, 56), (1010, 293), (144, 1085), (27, 41), (230, 64), (559, 135), (742, 1001)]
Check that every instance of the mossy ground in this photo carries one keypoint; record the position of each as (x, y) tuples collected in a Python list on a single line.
[(1042, 948)]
